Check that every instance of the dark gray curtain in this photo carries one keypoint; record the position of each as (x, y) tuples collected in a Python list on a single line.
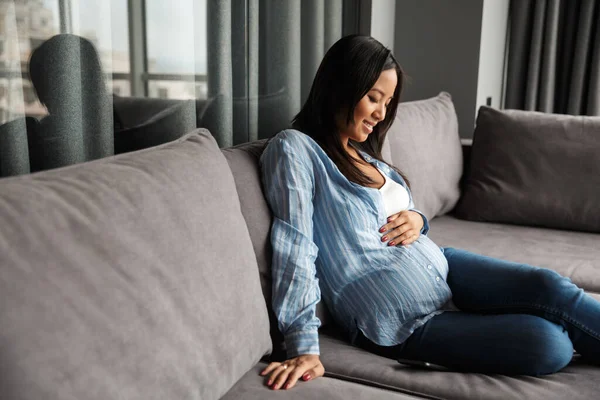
[(554, 56), (262, 57)]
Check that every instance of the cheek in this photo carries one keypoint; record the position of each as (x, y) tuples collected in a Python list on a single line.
[(361, 111)]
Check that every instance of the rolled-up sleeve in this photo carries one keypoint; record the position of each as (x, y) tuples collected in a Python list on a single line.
[(288, 181)]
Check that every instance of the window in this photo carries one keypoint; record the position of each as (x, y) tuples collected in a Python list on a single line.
[(35, 21), (163, 93), (176, 48), (105, 24)]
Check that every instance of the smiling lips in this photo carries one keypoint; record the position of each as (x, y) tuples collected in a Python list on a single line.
[(369, 126)]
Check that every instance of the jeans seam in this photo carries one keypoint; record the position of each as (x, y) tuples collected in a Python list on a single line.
[(552, 311)]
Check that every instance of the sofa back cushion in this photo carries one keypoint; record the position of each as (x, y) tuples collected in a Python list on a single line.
[(533, 168), (128, 277), (423, 142), (243, 161)]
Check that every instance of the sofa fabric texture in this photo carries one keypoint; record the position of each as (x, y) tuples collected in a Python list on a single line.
[(578, 381), (243, 161), (533, 168), (252, 387), (575, 255), (121, 278), (166, 126), (423, 142)]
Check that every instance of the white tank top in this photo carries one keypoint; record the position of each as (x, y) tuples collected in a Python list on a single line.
[(395, 196)]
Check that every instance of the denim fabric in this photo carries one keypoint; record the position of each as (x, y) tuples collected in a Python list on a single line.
[(513, 319)]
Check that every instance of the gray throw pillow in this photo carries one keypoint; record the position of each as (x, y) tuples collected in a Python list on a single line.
[(130, 277), (423, 142), (532, 168)]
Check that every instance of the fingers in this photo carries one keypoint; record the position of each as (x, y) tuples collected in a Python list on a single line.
[(276, 370), (407, 237), (394, 221), (301, 372), (279, 380), (401, 229), (398, 236), (286, 375), (270, 368)]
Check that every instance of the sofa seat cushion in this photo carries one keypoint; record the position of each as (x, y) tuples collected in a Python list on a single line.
[(573, 254), (578, 381), (121, 278), (252, 387)]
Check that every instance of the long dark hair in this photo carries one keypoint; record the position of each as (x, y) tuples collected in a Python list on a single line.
[(348, 71)]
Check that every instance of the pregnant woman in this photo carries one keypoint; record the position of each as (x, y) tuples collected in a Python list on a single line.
[(345, 228)]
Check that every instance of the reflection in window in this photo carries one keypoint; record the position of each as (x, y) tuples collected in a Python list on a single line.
[(24, 25), (177, 89)]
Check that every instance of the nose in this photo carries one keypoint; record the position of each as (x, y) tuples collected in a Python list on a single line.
[(379, 112)]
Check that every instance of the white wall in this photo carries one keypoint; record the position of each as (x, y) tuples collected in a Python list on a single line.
[(491, 54), (383, 20)]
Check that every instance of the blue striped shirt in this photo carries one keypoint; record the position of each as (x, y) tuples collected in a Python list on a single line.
[(326, 239)]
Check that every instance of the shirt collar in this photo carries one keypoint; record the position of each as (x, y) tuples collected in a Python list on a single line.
[(367, 157)]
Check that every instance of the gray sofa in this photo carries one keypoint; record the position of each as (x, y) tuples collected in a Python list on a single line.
[(146, 275)]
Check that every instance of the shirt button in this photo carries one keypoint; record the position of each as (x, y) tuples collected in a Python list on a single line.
[(429, 267), (437, 278)]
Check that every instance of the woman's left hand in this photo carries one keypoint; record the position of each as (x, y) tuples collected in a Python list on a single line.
[(402, 228)]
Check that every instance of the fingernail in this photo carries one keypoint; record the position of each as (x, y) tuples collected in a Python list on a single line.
[(383, 239), (274, 387), (269, 382), (389, 219), (306, 377), (287, 386), (382, 229), (392, 243)]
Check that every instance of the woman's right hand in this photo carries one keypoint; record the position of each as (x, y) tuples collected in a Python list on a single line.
[(286, 374)]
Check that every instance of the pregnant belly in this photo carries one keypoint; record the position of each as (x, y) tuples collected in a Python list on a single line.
[(424, 251), (394, 296)]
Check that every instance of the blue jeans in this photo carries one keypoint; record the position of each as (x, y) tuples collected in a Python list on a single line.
[(514, 319)]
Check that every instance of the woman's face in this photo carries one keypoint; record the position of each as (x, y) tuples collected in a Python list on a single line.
[(370, 110)]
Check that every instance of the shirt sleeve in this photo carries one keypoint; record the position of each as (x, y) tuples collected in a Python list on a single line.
[(425, 228), (288, 182)]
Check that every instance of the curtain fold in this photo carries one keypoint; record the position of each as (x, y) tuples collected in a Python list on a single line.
[(253, 68), (219, 67), (553, 63), (313, 42)]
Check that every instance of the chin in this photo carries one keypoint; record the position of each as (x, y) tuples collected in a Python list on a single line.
[(359, 137)]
